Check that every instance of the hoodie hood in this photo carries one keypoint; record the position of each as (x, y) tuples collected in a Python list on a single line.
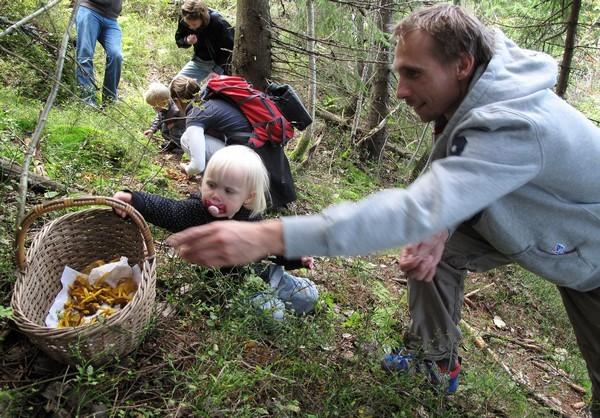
[(512, 73)]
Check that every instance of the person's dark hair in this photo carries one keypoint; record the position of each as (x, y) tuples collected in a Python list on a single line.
[(454, 31), (184, 88), (195, 10)]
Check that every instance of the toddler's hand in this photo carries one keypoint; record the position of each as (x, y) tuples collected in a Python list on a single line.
[(124, 197), (149, 133), (191, 39), (308, 262)]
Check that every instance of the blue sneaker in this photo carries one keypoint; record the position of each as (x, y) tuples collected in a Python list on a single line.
[(398, 361), (404, 361)]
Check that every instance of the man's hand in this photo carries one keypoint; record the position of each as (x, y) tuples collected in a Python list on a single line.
[(229, 243), (191, 39), (419, 261)]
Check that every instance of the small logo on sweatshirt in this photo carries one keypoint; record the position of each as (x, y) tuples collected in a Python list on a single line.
[(458, 145), (558, 249)]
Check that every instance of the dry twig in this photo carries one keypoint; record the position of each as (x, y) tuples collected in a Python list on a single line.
[(516, 377), (28, 18)]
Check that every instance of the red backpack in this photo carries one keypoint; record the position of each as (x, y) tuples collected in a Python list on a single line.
[(268, 123)]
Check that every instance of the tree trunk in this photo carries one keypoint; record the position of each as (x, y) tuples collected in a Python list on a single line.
[(565, 67), (380, 93), (252, 42), (306, 139)]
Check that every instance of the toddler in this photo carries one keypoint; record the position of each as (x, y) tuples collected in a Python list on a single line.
[(169, 119), (233, 186)]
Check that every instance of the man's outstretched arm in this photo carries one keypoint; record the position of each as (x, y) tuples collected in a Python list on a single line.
[(229, 243)]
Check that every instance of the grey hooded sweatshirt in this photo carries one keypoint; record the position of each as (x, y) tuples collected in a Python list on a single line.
[(514, 154)]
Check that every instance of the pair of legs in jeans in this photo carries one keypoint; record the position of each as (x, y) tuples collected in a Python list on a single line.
[(435, 307), (93, 27), (200, 69)]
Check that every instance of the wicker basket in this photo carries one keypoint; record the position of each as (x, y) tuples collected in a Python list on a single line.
[(76, 239)]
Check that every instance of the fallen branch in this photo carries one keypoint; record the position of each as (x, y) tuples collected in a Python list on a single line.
[(474, 292), (516, 341), (10, 169), (554, 370), (479, 341), (332, 117), (516, 377), (399, 280), (470, 303), (377, 128), (28, 18), (396, 149)]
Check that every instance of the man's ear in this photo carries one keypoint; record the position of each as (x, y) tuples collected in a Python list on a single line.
[(465, 66)]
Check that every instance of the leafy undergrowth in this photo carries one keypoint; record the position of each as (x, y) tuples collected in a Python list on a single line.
[(208, 353)]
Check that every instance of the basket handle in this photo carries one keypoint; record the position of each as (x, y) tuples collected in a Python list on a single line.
[(52, 205)]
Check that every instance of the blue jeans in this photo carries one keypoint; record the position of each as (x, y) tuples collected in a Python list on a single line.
[(200, 69), (297, 294), (92, 27)]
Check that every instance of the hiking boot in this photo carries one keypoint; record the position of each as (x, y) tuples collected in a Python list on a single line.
[(403, 361)]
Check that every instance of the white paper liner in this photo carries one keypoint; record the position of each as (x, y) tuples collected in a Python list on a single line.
[(116, 271)]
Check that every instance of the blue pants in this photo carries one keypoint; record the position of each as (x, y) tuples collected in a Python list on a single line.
[(200, 69), (92, 27), (296, 294)]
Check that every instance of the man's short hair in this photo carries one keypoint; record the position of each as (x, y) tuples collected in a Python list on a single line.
[(157, 94), (454, 31)]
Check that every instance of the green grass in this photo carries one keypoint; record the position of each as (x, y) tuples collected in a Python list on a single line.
[(214, 354)]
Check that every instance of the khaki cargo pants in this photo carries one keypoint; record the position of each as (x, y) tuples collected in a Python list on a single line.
[(435, 307)]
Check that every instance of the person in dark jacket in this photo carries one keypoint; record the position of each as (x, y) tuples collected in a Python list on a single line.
[(215, 123), (234, 186), (96, 21), (211, 36)]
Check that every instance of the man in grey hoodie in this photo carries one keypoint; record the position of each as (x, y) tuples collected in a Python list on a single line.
[(512, 179)]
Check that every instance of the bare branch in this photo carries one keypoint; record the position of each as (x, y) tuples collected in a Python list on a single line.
[(379, 126), (28, 18), (37, 134)]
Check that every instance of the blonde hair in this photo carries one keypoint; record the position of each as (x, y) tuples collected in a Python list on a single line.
[(195, 10), (454, 31), (184, 88), (240, 157), (157, 94)]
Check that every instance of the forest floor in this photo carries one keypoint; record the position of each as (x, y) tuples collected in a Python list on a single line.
[(514, 362)]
